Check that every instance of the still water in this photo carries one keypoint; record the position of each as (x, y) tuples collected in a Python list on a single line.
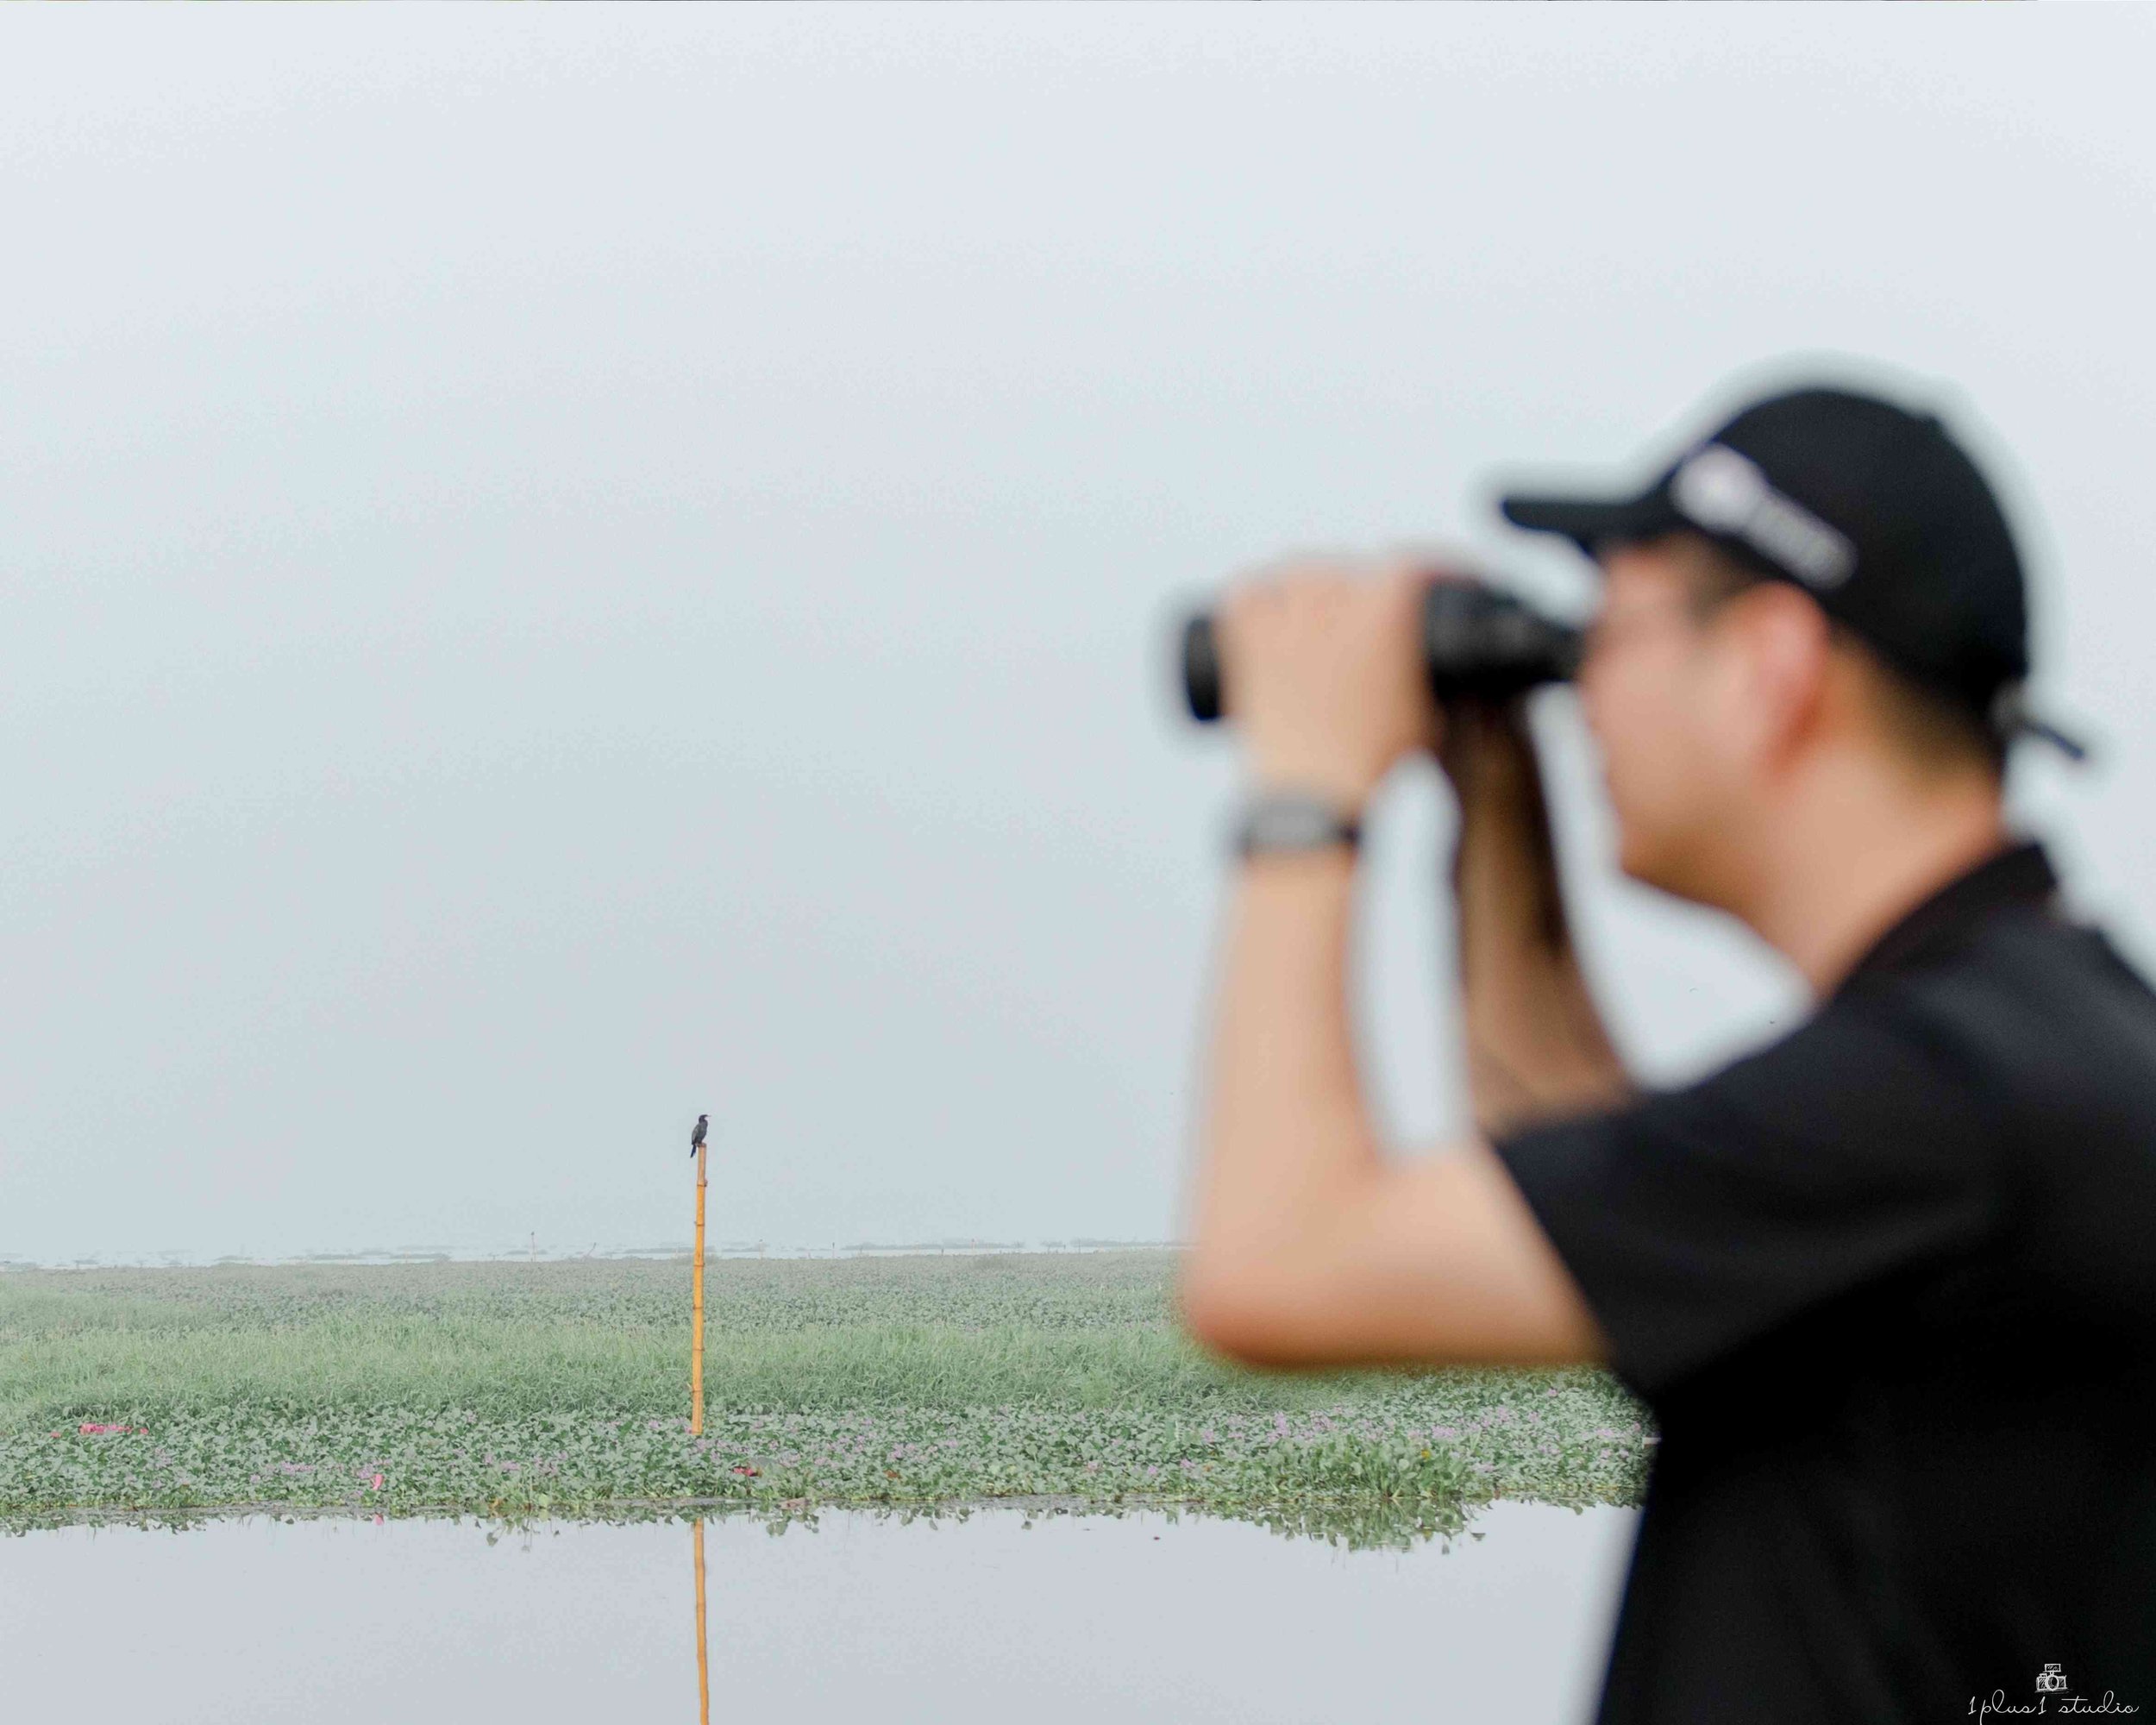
[(861, 1618)]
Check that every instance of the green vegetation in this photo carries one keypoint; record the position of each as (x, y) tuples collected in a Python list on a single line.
[(560, 1388)]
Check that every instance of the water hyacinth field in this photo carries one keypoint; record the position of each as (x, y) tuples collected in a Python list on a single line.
[(559, 1389)]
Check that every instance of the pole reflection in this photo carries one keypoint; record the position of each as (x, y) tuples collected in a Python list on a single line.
[(703, 1656)]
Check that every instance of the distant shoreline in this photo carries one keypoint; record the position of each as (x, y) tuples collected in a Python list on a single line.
[(731, 1249)]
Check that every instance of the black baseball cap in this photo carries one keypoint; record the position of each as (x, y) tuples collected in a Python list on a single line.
[(1872, 509)]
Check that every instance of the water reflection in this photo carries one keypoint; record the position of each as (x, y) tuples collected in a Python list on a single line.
[(703, 1621), (1050, 1616)]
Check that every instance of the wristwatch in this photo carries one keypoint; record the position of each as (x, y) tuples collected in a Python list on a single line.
[(1288, 819)]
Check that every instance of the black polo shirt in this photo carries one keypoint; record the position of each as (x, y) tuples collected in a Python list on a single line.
[(1889, 1286)]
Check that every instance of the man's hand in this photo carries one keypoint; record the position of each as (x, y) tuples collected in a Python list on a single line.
[(1323, 665)]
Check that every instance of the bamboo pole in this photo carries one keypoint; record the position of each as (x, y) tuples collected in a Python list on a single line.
[(696, 1338), (703, 1658)]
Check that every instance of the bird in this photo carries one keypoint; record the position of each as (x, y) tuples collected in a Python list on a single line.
[(696, 1137)]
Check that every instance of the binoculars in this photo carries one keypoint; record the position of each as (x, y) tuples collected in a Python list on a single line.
[(1478, 644)]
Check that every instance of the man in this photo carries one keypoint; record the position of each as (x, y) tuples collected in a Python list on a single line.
[(1888, 1286)]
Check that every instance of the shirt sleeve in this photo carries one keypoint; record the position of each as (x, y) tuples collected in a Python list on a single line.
[(1698, 1222)]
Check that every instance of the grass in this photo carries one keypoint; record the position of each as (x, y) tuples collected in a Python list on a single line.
[(552, 1388)]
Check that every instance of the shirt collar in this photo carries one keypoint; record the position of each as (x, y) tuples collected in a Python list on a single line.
[(2019, 875)]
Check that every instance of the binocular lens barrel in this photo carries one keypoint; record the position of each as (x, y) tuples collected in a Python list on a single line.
[(1477, 643), (1201, 668)]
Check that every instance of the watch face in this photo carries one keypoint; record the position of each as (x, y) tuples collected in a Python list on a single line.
[(1295, 824), (1290, 821)]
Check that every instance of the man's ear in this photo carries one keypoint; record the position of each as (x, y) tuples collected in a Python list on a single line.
[(1785, 645)]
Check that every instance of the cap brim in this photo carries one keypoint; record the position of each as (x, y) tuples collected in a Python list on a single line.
[(1589, 522)]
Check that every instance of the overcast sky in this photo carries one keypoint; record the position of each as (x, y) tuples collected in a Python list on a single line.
[(568, 568)]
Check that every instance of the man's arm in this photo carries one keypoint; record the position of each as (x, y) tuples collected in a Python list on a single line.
[(1536, 1045), (1310, 1249)]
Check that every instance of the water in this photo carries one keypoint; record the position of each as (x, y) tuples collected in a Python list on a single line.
[(1072, 1618)]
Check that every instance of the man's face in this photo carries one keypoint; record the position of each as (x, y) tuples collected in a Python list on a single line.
[(1655, 686)]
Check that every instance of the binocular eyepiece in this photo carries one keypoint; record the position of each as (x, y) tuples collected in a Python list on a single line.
[(1478, 644)]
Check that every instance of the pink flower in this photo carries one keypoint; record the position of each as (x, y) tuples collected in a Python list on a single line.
[(378, 1482), (91, 1428)]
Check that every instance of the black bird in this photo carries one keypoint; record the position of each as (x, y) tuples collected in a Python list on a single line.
[(696, 1137)]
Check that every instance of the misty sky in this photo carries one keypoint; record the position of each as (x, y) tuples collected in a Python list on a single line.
[(565, 567)]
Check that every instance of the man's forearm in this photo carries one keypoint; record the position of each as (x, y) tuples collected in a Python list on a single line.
[(1286, 1129), (1536, 1045)]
